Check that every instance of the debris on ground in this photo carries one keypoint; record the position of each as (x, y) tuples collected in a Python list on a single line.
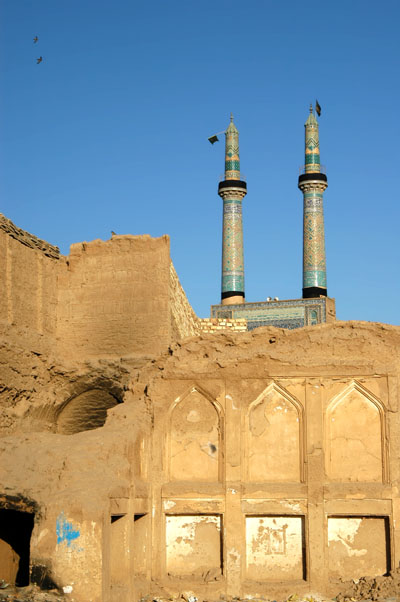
[(369, 589), (30, 593)]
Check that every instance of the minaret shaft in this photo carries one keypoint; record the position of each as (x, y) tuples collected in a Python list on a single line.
[(314, 263), (232, 190), (313, 183)]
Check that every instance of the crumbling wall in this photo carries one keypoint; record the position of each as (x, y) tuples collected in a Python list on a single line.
[(28, 277), (220, 471), (283, 444), (184, 322), (113, 298)]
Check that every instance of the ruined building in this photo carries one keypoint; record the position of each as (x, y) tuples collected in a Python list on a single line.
[(141, 453)]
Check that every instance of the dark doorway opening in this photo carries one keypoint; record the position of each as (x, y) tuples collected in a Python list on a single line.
[(15, 537)]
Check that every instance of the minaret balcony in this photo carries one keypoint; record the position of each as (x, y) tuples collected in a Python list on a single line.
[(239, 184)]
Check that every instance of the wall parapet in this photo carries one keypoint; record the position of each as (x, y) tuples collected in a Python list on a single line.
[(27, 239), (185, 322), (209, 325)]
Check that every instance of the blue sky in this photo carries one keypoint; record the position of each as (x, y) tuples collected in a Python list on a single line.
[(110, 132)]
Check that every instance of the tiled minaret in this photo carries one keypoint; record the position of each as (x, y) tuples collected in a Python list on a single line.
[(312, 183), (232, 190)]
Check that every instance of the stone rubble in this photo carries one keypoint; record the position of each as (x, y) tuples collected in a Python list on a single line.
[(366, 589)]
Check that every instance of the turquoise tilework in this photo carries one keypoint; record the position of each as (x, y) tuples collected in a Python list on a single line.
[(314, 263), (232, 247), (292, 313)]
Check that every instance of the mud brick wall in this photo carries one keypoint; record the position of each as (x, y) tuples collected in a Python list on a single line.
[(184, 322), (113, 297), (28, 277)]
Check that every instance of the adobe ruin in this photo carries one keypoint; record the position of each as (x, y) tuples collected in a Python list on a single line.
[(142, 454)]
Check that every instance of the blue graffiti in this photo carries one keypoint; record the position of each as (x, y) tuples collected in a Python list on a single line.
[(65, 530)]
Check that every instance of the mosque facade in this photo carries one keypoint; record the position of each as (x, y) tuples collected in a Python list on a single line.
[(315, 307)]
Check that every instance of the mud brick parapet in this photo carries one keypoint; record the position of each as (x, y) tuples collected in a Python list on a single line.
[(28, 239), (184, 322)]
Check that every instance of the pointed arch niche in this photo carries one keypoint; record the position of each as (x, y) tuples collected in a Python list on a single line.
[(355, 435), (195, 437), (275, 437)]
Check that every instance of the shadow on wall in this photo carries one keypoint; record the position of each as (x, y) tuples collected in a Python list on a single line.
[(15, 536), (85, 412)]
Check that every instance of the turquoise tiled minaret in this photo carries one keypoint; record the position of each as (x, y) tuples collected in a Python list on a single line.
[(313, 183), (232, 190)]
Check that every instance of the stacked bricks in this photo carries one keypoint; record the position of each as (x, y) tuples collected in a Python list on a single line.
[(27, 239), (185, 323), (209, 325)]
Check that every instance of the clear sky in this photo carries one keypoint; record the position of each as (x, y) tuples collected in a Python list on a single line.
[(109, 132)]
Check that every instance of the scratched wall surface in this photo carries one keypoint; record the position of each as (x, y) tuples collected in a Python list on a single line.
[(193, 544), (357, 546), (274, 548)]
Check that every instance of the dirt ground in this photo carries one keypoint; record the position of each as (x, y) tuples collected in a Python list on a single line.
[(366, 589)]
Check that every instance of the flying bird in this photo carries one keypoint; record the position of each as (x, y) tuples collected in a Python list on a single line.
[(35, 39), (39, 60)]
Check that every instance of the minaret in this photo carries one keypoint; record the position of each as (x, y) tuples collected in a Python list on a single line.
[(232, 190), (312, 183)]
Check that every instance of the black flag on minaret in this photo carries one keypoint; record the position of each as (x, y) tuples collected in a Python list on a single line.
[(318, 108)]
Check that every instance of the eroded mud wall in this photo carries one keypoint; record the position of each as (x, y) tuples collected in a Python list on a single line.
[(274, 461), (113, 298), (244, 464), (28, 278)]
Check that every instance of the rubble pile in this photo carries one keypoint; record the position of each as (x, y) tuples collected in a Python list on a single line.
[(385, 588), (31, 593)]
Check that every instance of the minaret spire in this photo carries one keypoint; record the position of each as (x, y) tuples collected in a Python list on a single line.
[(232, 190), (313, 183)]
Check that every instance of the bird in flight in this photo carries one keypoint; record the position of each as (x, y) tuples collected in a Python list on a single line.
[(39, 60), (35, 39)]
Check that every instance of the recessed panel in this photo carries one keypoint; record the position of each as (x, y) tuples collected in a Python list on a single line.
[(358, 546), (193, 544), (274, 548)]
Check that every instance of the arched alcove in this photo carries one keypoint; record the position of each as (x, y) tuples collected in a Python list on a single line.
[(195, 437), (355, 428), (15, 535), (274, 437), (85, 411)]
